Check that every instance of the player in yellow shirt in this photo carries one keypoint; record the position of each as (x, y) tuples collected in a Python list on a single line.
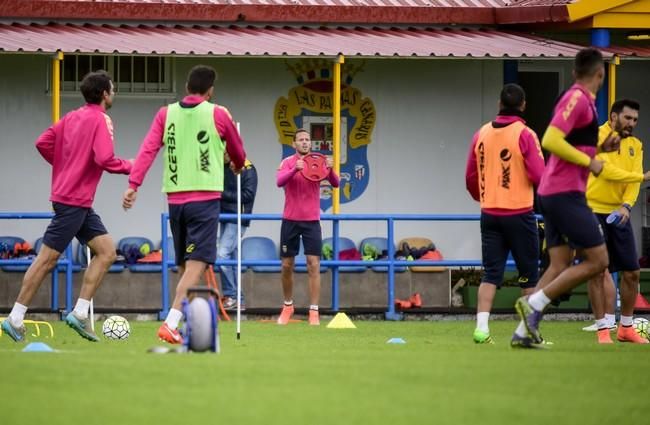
[(612, 194)]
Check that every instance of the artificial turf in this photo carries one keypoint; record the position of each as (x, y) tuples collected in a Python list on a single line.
[(308, 375)]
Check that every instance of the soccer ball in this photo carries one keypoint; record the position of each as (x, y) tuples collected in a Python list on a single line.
[(116, 327), (642, 327)]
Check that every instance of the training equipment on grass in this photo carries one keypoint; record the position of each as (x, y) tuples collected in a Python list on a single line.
[(200, 330), (38, 347), (116, 327), (238, 250), (642, 327), (315, 168), (396, 341), (92, 303), (341, 321)]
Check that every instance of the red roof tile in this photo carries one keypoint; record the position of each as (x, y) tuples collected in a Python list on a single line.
[(277, 41), (322, 12)]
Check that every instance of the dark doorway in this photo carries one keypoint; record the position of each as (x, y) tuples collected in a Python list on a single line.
[(542, 89)]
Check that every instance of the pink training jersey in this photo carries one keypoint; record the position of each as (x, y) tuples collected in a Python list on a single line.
[(533, 160), (576, 109), (153, 142), (301, 196), (80, 148)]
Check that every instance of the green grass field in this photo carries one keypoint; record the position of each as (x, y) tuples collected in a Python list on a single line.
[(299, 374)]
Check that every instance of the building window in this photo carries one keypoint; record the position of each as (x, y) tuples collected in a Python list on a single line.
[(131, 74)]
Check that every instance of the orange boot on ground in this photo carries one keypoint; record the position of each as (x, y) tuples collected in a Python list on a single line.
[(169, 335), (628, 334), (604, 337), (314, 319), (285, 315)]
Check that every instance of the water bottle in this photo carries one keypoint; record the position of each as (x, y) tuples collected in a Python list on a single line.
[(615, 219)]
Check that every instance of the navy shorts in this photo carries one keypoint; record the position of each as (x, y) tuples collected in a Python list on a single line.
[(621, 245), (194, 228), (568, 220), (69, 222), (501, 235), (292, 231)]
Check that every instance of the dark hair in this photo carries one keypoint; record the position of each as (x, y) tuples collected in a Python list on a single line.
[(200, 79), (618, 106), (94, 85), (300, 130), (512, 96), (587, 62)]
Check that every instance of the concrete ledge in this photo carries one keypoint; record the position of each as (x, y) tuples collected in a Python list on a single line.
[(142, 291)]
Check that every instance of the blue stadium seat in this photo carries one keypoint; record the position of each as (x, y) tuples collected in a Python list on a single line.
[(302, 258), (82, 261), (139, 267), (260, 248), (345, 243), (382, 245)]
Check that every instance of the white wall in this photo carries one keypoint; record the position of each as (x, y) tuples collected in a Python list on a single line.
[(427, 111)]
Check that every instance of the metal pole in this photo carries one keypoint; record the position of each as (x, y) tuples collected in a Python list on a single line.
[(92, 306), (238, 252)]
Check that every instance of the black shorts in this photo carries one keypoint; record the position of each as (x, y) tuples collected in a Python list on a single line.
[(194, 228), (621, 245), (69, 222), (568, 220), (501, 235), (292, 231)]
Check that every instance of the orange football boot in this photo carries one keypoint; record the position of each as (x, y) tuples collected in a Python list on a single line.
[(285, 315)]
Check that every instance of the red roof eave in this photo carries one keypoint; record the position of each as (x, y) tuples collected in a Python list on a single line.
[(532, 14), (210, 12)]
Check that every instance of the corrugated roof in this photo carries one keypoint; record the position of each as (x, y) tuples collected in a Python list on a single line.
[(277, 41), (631, 51)]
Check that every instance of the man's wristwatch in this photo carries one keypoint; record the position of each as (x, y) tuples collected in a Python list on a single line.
[(628, 207)]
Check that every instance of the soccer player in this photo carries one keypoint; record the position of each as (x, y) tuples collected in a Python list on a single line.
[(80, 148), (193, 133), (504, 163), (227, 246), (301, 219), (615, 190), (572, 140)]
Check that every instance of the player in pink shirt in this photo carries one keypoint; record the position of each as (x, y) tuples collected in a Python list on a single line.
[(570, 225), (193, 135), (301, 219), (80, 148)]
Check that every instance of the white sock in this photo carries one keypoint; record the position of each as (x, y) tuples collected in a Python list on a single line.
[(313, 307), (611, 319), (17, 314), (173, 318), (626, 320), (602, 324), (521, 330), (81, 308), (539, 300), (482, 321), (288, 303)]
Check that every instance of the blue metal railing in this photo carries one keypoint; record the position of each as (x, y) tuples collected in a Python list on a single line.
[(66, 262), (391, 263)]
